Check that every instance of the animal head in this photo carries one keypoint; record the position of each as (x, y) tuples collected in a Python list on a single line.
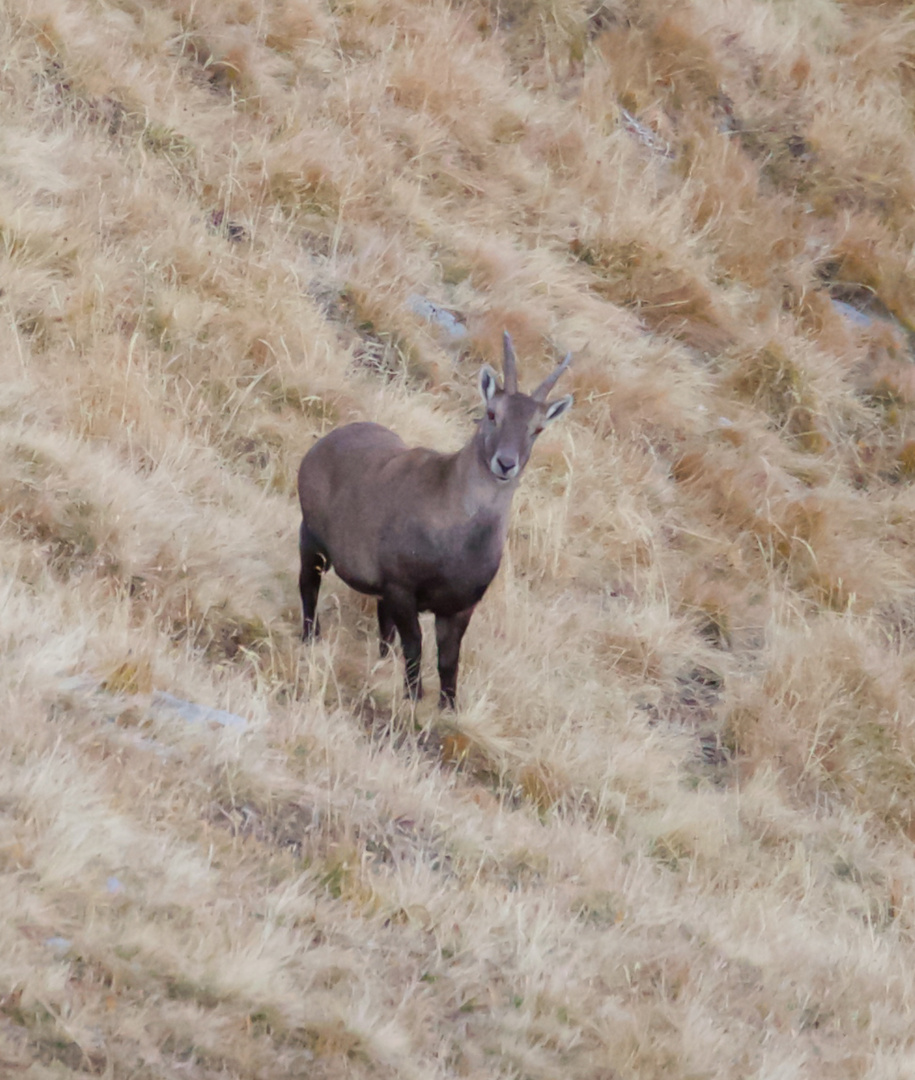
[(512, 420)]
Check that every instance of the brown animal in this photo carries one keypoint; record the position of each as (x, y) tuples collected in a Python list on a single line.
[(422, 531)]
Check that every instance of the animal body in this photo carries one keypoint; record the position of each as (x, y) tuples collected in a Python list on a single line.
[(421, 530)]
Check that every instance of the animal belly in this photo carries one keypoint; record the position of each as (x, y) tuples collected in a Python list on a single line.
[(353, 557), (448, 597), (358, 583)]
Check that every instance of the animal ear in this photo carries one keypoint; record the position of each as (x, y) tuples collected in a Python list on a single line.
[(489, 383), (555, 409)]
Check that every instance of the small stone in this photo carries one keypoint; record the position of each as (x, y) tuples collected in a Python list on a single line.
[(434, 313), (196, 714)]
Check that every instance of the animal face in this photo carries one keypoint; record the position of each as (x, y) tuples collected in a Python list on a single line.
[(511, 422)]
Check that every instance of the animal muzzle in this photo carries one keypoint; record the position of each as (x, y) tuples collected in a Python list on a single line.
[(504, 466)]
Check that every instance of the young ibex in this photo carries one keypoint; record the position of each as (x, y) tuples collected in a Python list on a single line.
[(422, 531)]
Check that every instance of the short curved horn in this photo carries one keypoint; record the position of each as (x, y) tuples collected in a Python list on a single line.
[(508, 364), (550, 381)]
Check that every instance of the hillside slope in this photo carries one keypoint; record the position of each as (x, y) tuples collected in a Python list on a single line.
[(669, 831)]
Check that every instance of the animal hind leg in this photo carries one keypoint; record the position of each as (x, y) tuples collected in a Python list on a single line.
[(314, 563), (400, 607), (387, 628), (449, 632)]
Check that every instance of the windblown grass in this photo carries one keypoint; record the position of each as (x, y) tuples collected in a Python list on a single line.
[(669, 831)]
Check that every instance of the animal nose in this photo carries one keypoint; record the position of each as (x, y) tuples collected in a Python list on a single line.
[(506, 465)]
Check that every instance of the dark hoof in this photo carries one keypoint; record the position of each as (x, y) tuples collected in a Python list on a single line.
[(384, 649), (312, 631), (415, 693), (446, 701)]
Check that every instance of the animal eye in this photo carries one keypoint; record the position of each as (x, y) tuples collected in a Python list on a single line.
[(491, 414), (538, 429)]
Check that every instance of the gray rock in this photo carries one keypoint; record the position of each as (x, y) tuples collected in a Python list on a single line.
[(852, 314), (196, 714), (434, 313)]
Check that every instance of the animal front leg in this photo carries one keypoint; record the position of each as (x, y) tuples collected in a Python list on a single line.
[(400, 606), (314, 563), (386, 628), (449, 632)]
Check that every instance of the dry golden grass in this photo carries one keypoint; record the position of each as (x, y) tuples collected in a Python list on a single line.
[(669, 831)]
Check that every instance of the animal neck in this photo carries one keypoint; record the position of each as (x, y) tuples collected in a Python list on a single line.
[(478, 491)]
